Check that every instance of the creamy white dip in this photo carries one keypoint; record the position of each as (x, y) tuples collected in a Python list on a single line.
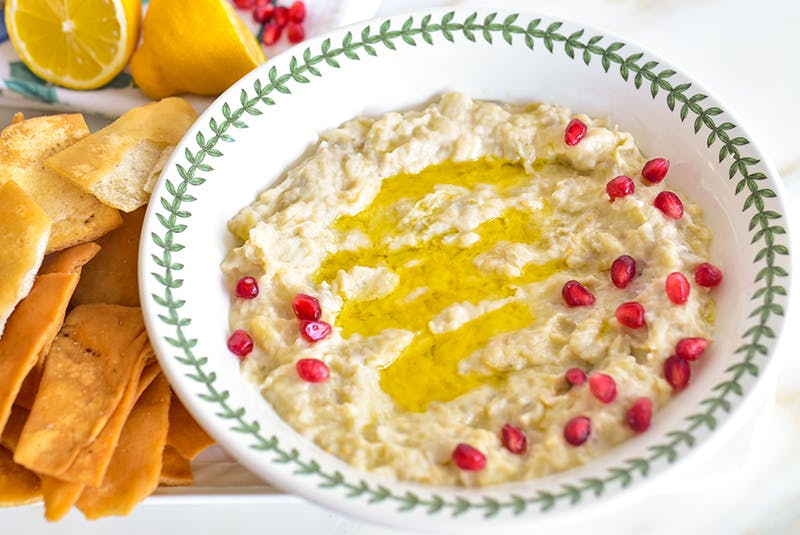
[(473, 268)]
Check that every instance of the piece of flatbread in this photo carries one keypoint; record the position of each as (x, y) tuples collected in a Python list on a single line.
[(136, 465), (91, 463), (77, 216), (185, 434), (85, 376), (66, 263), (69, 260), (112, 276), (24, 232), (18, 485), (117, 163), (29, 333), (176, 470)]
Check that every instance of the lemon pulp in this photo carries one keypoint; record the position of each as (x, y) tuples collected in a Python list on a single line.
[(434, 275), (77, 44)]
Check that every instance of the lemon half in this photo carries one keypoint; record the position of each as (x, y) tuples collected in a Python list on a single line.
[(74, 43), (202, 49)]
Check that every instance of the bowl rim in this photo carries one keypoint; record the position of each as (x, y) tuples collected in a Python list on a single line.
[(440, 506)]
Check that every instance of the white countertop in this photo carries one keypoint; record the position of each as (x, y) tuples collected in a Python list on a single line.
[(744, 53)]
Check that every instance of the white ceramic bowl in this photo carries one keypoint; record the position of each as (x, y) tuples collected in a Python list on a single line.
[(255, 131)]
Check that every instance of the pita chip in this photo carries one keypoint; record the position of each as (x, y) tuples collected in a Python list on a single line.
[(136, 465), (118, 162), (24, 232), (112, 276), (77, 216), (59, 496), (185, 434), (85, 376), (69, 260), (29, 333), (18, 485), (176, 470)]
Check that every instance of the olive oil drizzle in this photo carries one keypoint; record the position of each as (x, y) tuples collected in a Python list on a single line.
[(435, 275)]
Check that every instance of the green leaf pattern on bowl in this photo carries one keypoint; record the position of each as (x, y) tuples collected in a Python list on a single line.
[(765, 227)]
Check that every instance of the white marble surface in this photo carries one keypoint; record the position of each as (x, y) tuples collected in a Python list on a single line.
[(743, 52)]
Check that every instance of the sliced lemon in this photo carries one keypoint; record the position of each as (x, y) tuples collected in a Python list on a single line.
[(80, 44), (202, 48)]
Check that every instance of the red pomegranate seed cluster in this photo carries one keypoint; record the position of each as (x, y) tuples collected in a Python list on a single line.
[(631, 314), (274, 19), (677, 368)]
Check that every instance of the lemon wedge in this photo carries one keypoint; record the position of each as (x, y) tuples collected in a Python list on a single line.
[(199, 47), (74, 43)]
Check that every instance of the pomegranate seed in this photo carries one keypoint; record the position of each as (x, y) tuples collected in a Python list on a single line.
[(244, 4), (312, 370), (655, 170), (623, 269), (690, 348), (578, 430), (314, 331), (677, 372), (468, 458), (677, 287), (603, 387), (575, 131), (639, 414), (575, 376), (240, 343), (707, 275), (263, 12), (670, 204), (297, 11), (630, 314), (513, 439), (575, 295), (295, 32), (270, 34), (306, 307), (247, 288), (621, 186), (281, 16)]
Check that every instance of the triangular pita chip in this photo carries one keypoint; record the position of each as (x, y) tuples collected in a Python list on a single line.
[(77, 216), (24, 231)]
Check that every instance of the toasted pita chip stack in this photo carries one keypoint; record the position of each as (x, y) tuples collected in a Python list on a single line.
[(136, 466), (87, 371), (77, 216), (24, 231), (119, 163)]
